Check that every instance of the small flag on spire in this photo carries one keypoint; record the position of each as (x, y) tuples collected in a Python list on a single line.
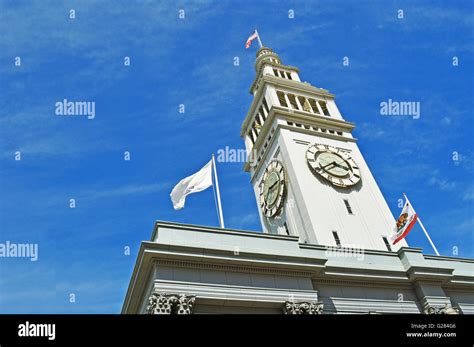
[(251, 38)]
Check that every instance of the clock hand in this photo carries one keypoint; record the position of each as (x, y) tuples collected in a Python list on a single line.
[(342, 162), (341, 166), (332, 163), (273, 185), (269, 189)]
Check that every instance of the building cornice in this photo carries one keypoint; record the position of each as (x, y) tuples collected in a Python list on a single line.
[(209, 293), (379, 275), (359, 282), (297, 86), (227, 266), (250, 261), (460, 282), (366, 251), (314, 119), (152, 253), (217, 230), (448, 258)]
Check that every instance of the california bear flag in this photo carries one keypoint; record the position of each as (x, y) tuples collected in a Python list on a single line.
[(405, 222)]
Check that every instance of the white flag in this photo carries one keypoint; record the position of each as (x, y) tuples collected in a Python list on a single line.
[(192, 184)]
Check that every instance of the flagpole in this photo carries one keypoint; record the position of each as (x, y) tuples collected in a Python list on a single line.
[(221, 217), (422, 227), (258, 38)]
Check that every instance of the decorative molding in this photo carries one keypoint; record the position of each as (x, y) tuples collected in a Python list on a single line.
[(430, 273), (229, 267), (303, 307), (447, 258), (465, 308), (460, 282), (364, 306), (159, 303), (366, 251), (446, 309), (299, 86), (299, 116), (375, 275), (245, 296), (358, 283)]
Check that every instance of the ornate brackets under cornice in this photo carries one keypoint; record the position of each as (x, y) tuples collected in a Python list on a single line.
[(159, 303), (303, 307), (446, 309)]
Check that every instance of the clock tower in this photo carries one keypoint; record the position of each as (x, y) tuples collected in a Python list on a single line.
[(309, 176)]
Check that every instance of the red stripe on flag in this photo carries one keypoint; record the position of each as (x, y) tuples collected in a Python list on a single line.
[(407, 230), (250, 39)]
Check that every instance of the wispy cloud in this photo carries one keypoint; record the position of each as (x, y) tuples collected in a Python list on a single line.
[(469, 194), (370, 131), (46, 37), (126, 190), (442, 184), (427, 16)]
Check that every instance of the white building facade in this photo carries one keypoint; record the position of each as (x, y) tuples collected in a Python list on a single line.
[(325, 246)]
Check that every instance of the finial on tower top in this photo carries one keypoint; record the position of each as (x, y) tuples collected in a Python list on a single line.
[(263, 50), (266, 55)]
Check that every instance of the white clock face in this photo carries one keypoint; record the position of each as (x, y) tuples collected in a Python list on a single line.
[(272, 189), (333, 164)]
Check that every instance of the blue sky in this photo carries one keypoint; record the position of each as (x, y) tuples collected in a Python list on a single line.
[(190, 62)]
